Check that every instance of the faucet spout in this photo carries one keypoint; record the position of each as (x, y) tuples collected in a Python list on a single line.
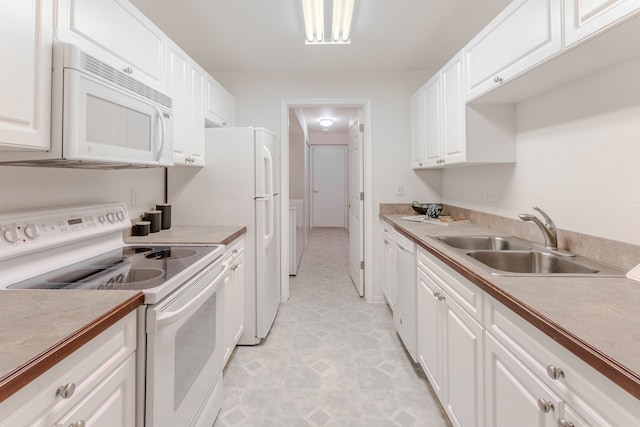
[(548, 230)]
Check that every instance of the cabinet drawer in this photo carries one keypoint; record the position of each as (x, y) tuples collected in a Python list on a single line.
[(466, 294), (38, 403), (235, 249), (599, 401)]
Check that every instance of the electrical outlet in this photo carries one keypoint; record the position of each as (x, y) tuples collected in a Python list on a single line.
[(489, 194), (399, 190), (134, 196)]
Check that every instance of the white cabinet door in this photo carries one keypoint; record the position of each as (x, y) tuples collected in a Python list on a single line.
[(583, 18), (220, 105), (417, 130), (515, 396), (234, 297), (26, 30), (178, 85), (526, 33), (110, 404), (117, 33), (454, 140), (429, 319), (432, 124), (463, 367), (194, 152)]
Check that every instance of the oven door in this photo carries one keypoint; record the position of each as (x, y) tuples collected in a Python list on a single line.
[(185, 352)]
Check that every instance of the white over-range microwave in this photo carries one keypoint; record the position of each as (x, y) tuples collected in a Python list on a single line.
[(102, 118)]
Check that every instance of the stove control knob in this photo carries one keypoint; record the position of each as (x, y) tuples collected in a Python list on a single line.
[(111, 217), (11, 234), (120, 215), (32, 231)]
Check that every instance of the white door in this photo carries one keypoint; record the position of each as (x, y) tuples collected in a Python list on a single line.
[(356, 208), (328, 186)]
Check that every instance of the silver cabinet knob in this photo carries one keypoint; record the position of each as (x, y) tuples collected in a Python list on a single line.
[(555, 373), (386, 242), (128, 70), (497, 79), (436, 294), (545, 405), (66, 391), (419, 163), (224, 123), (564, 423), (80, 423), (440, 296)]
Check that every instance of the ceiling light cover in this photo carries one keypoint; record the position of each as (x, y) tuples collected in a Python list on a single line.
[(326, 122), (333, 27)]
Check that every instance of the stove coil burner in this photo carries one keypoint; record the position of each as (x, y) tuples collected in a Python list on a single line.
[(170, 254)]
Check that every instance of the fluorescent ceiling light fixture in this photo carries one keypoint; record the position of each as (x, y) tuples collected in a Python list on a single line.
[(327, 21), (326, 122)]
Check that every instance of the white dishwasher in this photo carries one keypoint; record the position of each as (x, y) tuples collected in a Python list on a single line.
[(404, 313)]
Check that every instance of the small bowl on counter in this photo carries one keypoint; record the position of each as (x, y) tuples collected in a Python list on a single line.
[(432, 210)]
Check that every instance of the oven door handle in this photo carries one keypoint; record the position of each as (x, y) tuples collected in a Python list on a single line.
[(170, 317)]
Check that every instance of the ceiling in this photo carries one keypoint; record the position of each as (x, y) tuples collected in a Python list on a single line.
[(339, 115), (260, 35), (250, 35)]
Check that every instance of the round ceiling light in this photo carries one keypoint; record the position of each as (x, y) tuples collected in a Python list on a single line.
[(326, 122)]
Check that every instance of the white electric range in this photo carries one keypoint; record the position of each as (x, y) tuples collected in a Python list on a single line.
[(81, 247)]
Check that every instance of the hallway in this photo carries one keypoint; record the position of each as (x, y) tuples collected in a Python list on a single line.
[(331, 359)]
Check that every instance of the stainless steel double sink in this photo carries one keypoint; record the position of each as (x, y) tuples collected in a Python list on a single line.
[(509, 256)]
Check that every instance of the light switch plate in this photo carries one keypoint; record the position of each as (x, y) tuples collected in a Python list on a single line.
[(634, 273)]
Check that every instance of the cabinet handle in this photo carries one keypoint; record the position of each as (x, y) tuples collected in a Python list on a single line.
[(564, 423), (436, 294), (497, 79), (234, 267), (545, 406), (66, 391), (235, 251), (419, 163), (128, 70), (386, 242), (224, 123), (555, 373), (80, 423)]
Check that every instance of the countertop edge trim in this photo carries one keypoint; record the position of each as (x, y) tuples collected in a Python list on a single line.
[(234, 236), (30, 370), (614, 371)]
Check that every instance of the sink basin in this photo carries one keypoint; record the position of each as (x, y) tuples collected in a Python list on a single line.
[(477, 243), (539, 263)]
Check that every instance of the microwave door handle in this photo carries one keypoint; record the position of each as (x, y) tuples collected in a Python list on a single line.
[(159, 152)]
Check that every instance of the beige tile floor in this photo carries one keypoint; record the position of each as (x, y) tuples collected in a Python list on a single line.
[(331, 359)]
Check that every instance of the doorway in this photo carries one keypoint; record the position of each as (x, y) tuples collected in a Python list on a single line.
[(357, 208), (328, 184)]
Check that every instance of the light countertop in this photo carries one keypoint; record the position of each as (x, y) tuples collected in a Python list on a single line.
[(191, 234), (40, 327), (592, 317)]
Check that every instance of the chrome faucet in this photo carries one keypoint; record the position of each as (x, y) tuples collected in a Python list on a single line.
[(549, 230)]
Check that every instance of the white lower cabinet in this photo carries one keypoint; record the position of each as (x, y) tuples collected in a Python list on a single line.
[(94, 386), (450, 345), (389, 275), (234, 296), (514, 395)]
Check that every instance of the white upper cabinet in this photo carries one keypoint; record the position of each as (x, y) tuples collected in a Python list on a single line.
[(221, 105), (449, 132), (526, 33), (117, 33), (178, 87), (26, 28), (194, 150), (583, 18)]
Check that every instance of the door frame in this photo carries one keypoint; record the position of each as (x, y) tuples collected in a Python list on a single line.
[(344, 149), (367, 166)]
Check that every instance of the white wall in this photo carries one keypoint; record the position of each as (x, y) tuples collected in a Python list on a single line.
[(328, 138), (258, 103), (578, 159), (30, 187), (296, 158)]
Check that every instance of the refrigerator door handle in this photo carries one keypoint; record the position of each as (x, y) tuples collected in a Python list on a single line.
[(268, 236), (268, 163)]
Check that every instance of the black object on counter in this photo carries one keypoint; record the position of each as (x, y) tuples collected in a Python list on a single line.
[(165, 208), (141, 228), (155, 217)]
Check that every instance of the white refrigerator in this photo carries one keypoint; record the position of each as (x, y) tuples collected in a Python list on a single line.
[(239, 185)]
